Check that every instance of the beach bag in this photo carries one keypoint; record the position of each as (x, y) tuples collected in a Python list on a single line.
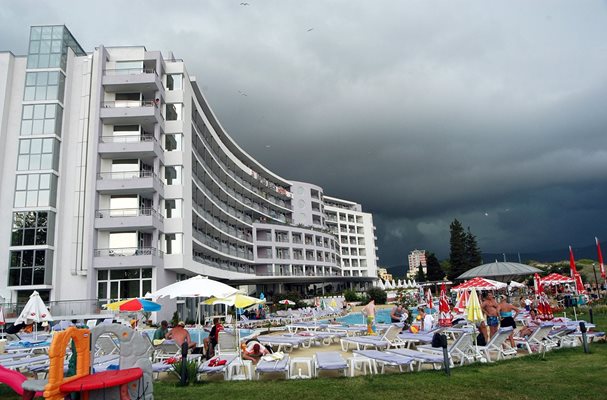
[(436, 341)]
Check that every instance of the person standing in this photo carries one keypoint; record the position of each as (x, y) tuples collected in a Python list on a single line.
[(490, 308), (508, 313), (369, 312)]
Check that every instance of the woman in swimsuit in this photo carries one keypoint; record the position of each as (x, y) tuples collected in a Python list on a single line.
[(507, 314)]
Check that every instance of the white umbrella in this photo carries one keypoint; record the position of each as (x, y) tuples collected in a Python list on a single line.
[(380, 284), (410, 284), (515, 284), (34, 312), (388, 285), (198, 286), (399, 284)]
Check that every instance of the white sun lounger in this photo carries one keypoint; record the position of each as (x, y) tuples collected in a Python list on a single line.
[(207, 368), (389, 339), (536, 340), (461, 349), (330, 361), (384, 359), (496, 344), (268, 365), (420, 357), (285, 342)]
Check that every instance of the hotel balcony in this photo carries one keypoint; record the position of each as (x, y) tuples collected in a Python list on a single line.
[(129, 182), (131, 112), (133, 146), (128, 257), (128, 219), (131, 80)]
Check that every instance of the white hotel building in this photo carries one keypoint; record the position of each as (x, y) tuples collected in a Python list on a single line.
[(117, 179)]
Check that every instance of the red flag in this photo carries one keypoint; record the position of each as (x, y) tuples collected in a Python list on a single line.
[(573, 269), (537, 283), (445, 318), (601, 265), (579, 286)]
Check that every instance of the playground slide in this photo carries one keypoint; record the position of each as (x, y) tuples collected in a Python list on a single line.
[(14, 379)]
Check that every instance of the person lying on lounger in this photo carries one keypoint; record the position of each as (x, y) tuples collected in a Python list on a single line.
[(254, 352)]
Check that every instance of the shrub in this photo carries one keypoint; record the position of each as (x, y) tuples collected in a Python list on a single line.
[(175, 319), (351, 295), (378, 295), (192, 368)]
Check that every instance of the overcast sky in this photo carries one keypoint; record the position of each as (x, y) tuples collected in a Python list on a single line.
[(423, 111)]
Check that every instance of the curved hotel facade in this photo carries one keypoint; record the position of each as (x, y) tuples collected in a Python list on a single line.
[(117, 179)]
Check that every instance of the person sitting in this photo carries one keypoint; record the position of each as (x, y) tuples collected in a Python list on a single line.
[(162, 331), (427, 321), (254, 351), (396, 314), (531, 326), (211, 341), (180, 335)]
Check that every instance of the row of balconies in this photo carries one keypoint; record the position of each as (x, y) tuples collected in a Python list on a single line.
[(221, 247), (217, 263), (128, 257), (247, 185), (229, 210), (128, 219), (221, 225)]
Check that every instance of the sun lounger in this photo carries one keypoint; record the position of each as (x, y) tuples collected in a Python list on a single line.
[(410, 338), (420, 357), (330, 361), (24, 362), (460, 350), (536, 340), (384, 359), (496, 344), (389, 339), (273, 363), (217, 365), (348, 330), (305, 326), (283, 342)]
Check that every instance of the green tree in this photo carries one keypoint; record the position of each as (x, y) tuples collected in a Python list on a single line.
[(420, 277), (435, 272), (473, 253), (457, 255), (378, 295)]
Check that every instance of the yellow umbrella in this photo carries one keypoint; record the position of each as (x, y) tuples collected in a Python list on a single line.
[(474, 312), (237, 300), (333, 303)]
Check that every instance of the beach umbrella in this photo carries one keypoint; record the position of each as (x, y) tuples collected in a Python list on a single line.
[(333, 303), (429, 299), (197, 286), (544, 309), (134, 305), (380, 284), (413, 284), (34, 312), (444, 318), (2, 320), (515, 284), (399, 284), (600, 254), (462, 301), (537, 285), (556, 279), (288, 302), (474, 312), (479, 283), (261, 297)]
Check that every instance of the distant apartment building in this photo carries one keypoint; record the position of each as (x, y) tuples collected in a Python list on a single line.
[(417, 260), (118, 179), (383, 274)]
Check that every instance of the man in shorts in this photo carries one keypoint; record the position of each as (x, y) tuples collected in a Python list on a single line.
[(490, 307)]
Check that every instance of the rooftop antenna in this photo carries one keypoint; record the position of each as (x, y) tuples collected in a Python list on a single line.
[(519, 258), (504, 254)]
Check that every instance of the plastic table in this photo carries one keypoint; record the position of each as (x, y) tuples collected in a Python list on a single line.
[(103, 380)]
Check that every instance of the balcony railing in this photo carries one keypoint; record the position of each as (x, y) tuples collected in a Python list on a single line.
[(127, 138), (129, 252), (59, 308), (129, 103), (128, 212), (128, 175), (129, 71)]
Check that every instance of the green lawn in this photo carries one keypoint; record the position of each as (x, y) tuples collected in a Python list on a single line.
[(562, 374)]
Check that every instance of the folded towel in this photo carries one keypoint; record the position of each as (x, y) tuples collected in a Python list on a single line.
[(217, 362), (274, 356), (157, 342)]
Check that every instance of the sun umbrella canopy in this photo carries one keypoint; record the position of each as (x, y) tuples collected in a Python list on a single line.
[(556, 279), (537, 284), (497, 269), (480, 284), (237, 300), (197, 286), (2, 320), (292, 303), (462, 301), (473, 312), (444, 317), (515, 284), (544, 309), (133, 305), (34, 311)]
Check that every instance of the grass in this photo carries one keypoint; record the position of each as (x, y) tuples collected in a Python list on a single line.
[(562, 374)]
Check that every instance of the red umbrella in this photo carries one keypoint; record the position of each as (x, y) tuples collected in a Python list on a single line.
[(445, 317), (555, 279), (429, 299), (544, 309), (537, 284), (462, 301), (479, 283), (579, 286), (601, 265)]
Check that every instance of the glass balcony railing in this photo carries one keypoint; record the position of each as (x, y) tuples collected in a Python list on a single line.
[(129, 71), (128, 252), (128, 212)]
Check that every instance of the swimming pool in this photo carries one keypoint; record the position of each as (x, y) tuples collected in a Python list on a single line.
[(381, 316)]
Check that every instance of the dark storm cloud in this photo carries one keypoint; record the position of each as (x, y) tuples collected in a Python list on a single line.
[(421, 111)]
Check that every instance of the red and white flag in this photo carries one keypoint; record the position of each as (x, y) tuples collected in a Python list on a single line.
[(2, 321), (572, 268), (601, 265)]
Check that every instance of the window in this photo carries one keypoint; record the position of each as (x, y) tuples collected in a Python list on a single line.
[(44, 86), (123, 283), (172, 208), (32, 228), (29, 267), (173, 112), (172, 142), (47, 48), (174, 82), (37, 154), (35, 190), (41, 119), (128, 100), (172, 243), (172, 175)]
